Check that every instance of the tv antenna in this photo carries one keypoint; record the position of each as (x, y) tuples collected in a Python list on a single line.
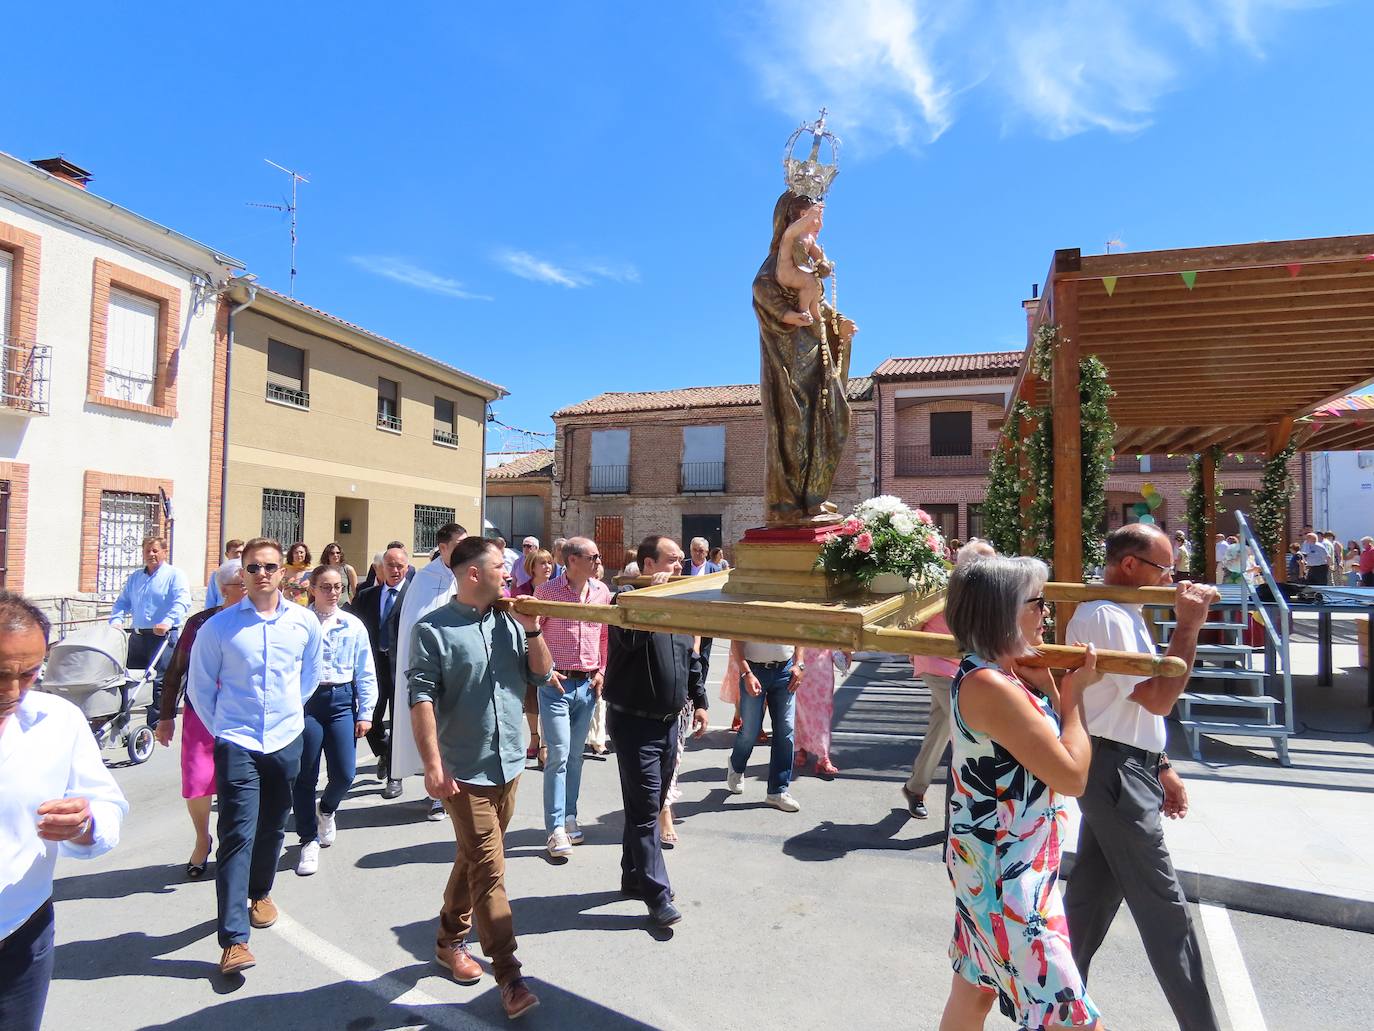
[(1116, 242), (289, 210)]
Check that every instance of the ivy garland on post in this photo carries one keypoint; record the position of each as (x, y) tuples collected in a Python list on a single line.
[(1270, 506), (1002, 505), (1040, 462), (1042, 352), (1097, 430), (1196, 513)]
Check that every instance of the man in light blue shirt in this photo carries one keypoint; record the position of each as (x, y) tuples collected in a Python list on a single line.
[(157, 600), (213, 598), (252, 668)]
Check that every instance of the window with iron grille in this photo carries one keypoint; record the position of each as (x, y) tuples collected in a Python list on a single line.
[(428, 519), (283, 515), (445, 423), (126, 521), (286, 375), (388, 404), (951, 434), (4, 532), (703, 458), (609, 472)]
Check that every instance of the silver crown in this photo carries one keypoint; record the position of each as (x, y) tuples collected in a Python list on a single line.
[(811, 177)]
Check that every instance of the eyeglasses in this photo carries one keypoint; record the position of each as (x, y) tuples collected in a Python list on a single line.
[(262, 567), (1039, 602), (329, 587), (591, 558), (1162, 569)]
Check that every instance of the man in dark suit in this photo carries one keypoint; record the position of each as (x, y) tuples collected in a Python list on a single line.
[(379, 607), (700, 566)]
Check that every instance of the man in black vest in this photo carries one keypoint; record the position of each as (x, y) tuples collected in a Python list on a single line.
[(379, 607), (649, 677)]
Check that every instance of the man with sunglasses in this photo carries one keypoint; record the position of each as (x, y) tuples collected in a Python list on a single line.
[(567, 704), (1121, 850), (253, 667)]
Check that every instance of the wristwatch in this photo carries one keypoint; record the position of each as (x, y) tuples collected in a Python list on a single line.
[(533, 633)]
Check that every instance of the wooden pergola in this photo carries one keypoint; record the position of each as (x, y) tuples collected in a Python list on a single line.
[(1234, 346)]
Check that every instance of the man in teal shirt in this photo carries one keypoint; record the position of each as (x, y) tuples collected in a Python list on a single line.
[(468, 671)]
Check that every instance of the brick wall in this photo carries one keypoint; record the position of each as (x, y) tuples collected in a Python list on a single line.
[(25, 248), (17, 531), (218, 395)]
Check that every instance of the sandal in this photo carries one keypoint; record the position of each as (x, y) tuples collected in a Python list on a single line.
[(667, 835), (800, 760), (195, 871), (532, 752), (826, 768)]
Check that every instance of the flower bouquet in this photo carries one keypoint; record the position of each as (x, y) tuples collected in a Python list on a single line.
[(887, 547)]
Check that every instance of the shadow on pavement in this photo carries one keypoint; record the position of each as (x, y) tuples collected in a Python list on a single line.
[(117, 884), (132, 954), (829, 840)]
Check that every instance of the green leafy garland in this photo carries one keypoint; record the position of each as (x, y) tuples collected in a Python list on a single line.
[(1002, 504), (1098, 430), (1039, 446), (1196, 511), (1270, 506), (1042, 351)]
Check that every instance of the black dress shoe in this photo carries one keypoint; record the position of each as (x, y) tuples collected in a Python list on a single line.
[(392, 789), (665, 914), (915, 805), (382, 770), (633, 890)]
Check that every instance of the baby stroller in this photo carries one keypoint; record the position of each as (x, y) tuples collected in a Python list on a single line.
[(87, 668)]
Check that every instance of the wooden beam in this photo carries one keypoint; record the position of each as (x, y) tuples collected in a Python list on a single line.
[(1134, 294), (1209, 514), (1222, 337), (1350, 319), (1193, 307), (1068, 444), (1059, 591), (1049, 656), (1275, 254)]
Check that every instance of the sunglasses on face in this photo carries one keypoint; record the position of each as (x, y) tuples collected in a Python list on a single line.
[(262, 567), (329, 587), (1162, 569), (1039, 602)]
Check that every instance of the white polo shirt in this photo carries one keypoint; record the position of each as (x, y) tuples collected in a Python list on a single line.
[(759, 651), (1107, 703)]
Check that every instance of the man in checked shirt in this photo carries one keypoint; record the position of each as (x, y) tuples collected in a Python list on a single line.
[(567, 703)]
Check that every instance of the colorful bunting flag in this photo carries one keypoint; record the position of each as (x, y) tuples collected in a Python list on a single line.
[(1189, 278), (1109, 282)]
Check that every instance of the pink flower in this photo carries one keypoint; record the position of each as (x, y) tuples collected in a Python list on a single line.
[(864, 542), (923, 516), (849, 527)]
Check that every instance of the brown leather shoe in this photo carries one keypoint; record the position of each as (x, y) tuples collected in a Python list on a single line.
[(235, 958), (458, 961), (517, 999), (262, 912)]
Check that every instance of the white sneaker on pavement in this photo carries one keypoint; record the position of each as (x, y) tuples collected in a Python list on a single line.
[(436, 811), (732, 782), (327, 829), (309, 861), (785, 802), (559, 845), (575, 835)]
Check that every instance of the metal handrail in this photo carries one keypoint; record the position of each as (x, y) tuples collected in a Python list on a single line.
[(1278, 636)]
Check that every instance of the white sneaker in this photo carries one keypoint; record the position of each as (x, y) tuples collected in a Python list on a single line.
[(733, 781), (309, 861), (574, 832), (327, 830), (436, 811), (559, 845), (785, 802)]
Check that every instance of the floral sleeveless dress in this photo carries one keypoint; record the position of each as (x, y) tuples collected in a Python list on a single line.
[(1005, 838)]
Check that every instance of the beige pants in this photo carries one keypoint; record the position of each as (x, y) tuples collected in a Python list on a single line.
[(596, 733), (937, 735)]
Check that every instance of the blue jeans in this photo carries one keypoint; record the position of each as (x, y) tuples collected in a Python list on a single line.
[(254, 791), (329, 723), (565, 718), (782, 705), (26, 960)]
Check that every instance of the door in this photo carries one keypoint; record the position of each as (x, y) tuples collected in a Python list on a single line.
[(945, 518), (126, 521), (707, 526)]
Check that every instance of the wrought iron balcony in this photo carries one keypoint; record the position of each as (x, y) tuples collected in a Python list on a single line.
[(702, 477), (288, 396), (608, 479), (447, 438), (24, 378), (916, 460)]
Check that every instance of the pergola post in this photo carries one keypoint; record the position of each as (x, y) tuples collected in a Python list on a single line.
[(1209, 512), (1279, 436), (1068, 447)]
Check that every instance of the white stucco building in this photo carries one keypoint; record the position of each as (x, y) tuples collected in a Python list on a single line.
[(109, 325), (1343, 493)]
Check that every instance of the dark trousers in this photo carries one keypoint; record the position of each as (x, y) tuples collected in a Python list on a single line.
[(379, 737), (1319, 576), (143, 645), (25, 971), (1367, 579), (646, 752), (254, 791), (705, 653), (329, 722), (1121, 854)]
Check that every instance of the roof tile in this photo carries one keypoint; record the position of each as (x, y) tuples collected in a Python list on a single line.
[(738, 395), (950, 366), (536, 463)]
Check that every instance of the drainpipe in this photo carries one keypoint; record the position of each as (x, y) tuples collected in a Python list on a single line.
[(482, 515), (228, 394), (877, 439)]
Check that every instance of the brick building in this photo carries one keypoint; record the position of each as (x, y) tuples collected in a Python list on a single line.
[(687, 462), (520, 497)]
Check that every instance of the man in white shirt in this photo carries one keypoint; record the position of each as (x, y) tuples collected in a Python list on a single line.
[(1121, 850), (432, 588), (253, 667), (56, 797), (771, 675), (1219, 548), (1235, 562), (1318, 561)]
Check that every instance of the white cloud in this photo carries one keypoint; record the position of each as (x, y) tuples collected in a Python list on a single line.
[(570, 275), (898, 71), (402, 271)]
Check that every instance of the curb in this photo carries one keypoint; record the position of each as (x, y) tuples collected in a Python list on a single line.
[(1310, 907)]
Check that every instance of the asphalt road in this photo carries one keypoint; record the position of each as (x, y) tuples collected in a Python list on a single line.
[(838, 915)]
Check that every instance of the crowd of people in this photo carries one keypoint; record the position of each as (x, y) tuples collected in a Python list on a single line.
[(446, 683)]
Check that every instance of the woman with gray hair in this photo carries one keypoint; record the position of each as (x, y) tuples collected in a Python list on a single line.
[(197, 746), (1018, 747)]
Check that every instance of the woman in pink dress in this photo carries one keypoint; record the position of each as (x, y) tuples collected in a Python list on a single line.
[(816, 711)]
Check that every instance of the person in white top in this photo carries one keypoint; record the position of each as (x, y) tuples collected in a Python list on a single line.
[(1121, 850), (432, 588), (56, 797), (771, 674)]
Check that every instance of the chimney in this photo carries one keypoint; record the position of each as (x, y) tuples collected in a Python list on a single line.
[(64, 170)]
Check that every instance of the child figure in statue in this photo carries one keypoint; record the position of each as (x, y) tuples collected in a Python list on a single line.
[(804, 267)]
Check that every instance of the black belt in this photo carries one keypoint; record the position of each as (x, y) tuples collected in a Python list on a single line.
[(775, 664), (577, 672), (1150, 759), (656, 717), (153, 632)]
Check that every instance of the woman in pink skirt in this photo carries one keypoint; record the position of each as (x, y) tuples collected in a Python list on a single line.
[(197, 746), (815, 711)]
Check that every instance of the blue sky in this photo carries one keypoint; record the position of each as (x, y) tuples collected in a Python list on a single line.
[(573, 198)]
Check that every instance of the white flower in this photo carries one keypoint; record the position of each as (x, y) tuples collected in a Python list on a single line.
[(882, 505), (904, 524)]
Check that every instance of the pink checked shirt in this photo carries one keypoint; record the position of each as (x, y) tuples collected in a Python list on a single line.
[(933, 664), (573, 643)]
